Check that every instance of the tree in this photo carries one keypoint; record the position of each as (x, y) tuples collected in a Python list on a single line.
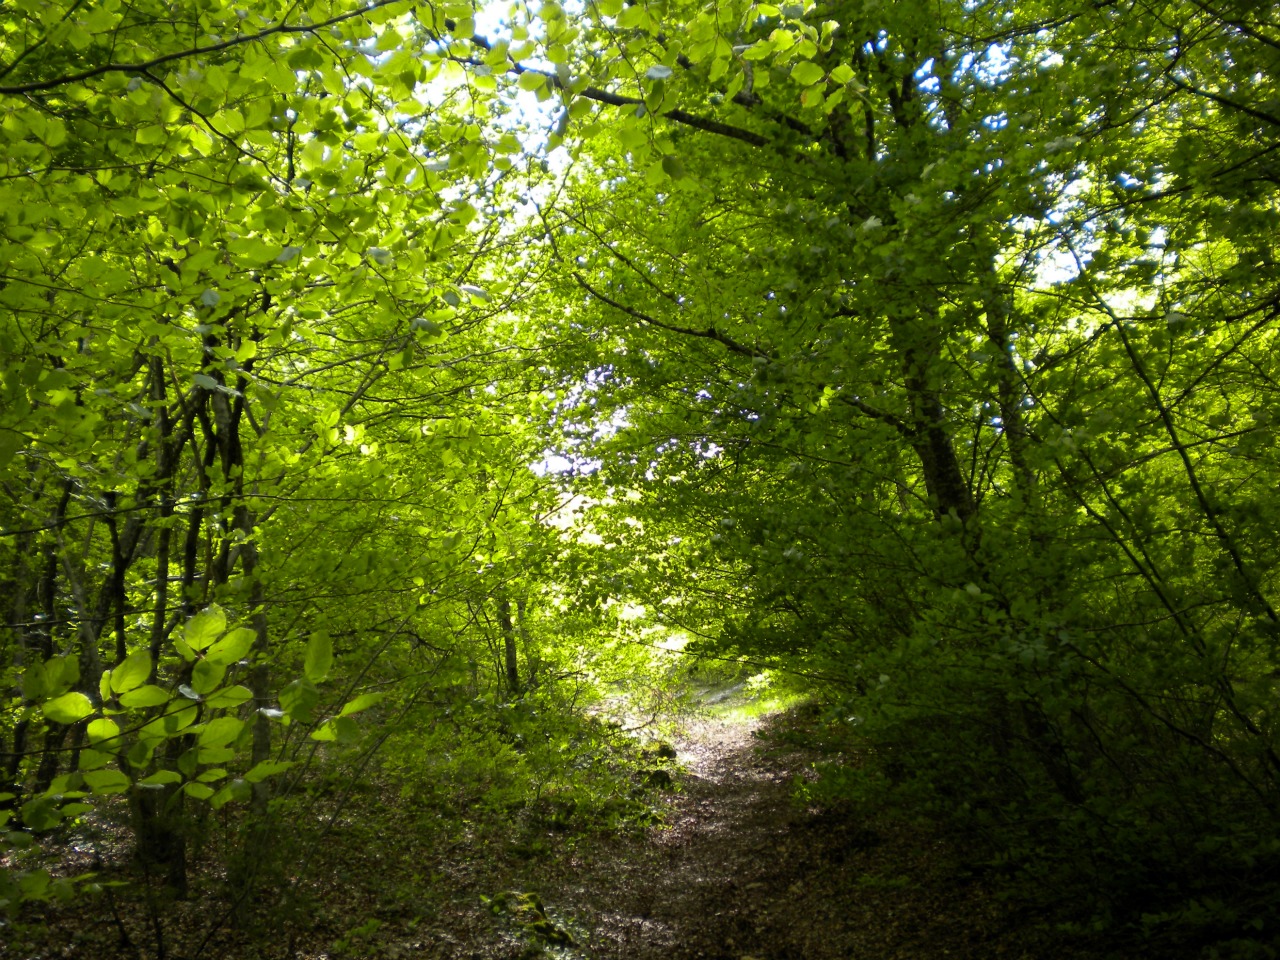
[(253, 281), (926, 348), (941, 340)]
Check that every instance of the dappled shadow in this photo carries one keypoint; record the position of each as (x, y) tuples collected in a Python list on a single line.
[(741, 872)]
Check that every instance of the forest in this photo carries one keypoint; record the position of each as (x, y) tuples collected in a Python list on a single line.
[(415, 417)]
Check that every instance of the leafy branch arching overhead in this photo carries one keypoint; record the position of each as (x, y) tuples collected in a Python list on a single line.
[(924, 348)]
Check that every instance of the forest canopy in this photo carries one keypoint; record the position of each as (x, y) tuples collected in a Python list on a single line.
[(359, 360)]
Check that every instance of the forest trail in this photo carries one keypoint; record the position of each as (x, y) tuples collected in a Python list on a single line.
[(739, 871), (736, 870)]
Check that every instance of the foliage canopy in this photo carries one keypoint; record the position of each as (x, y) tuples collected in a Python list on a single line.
[(927, 350)]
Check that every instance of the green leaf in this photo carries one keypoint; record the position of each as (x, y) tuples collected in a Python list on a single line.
[(531, 81), (235, 790), (206, 675), (151, 135), (341, 729), (205, 627), (233, 647), (348, 729), (148, 696), (842, 73), (634, 15), (140, 753), (362, 702), (299, 699), (198, 790), (58, 676), (161, 777), (33, 682), (68, 708), (102, 729), (132, 672), (180, 716), (183, 648), (107, 782), (229, 697), (267, 768), (807, 72), (215, 754), (319, 657), (93, 759), (41, 813), (34, 884), (65, 784), (220, 732)]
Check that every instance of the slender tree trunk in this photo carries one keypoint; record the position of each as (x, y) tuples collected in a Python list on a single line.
[(918, 343), (260, 675), (510, 653), (522, 629), (22, 592), (160, 827)]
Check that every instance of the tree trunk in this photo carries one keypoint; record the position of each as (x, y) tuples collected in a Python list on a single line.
[(522, 630), (509, 646)]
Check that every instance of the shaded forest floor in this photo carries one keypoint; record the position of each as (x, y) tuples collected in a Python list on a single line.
[(735, 869)]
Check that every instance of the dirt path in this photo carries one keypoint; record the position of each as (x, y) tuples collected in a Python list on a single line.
[(741, 873), (737, 871)]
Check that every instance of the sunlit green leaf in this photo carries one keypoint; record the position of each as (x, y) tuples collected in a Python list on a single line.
[(205, 627), (102, 729), (229, 697), (68, 708), (531, 81), (206, 675), (220, 732), (232, 647), (145, 696), (807, 72), (362, 702)]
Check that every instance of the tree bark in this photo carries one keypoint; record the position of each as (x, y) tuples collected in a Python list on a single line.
[(510, 653)]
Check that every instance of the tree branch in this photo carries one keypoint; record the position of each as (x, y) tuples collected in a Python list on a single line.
[(619, 100), (884, 416), (36, 86)]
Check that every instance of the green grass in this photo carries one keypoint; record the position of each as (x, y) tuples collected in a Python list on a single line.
[(744, 701)]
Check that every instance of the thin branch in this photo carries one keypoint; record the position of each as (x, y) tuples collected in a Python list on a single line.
[(619, 255), (711, 333), (679, 116), (39, 43), (619, 100), (146, 65), (884, 416), (1227, 102)]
